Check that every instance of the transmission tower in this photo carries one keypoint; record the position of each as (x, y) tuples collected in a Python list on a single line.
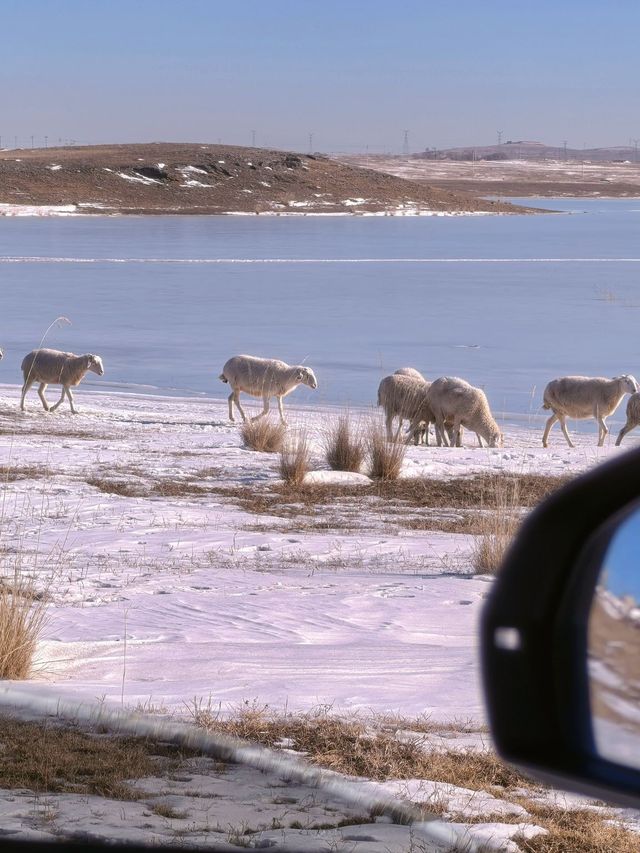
[(405, 144), (499, 137)]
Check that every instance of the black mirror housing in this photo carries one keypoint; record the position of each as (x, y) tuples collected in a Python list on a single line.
[(534, 635)]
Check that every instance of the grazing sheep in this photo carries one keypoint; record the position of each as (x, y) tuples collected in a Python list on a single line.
[(455, 400), (404, 396), (633, 416), (585, 397), (263, 377), (50, 366)]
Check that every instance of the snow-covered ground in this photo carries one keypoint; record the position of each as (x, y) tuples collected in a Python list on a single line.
[(158, 600)]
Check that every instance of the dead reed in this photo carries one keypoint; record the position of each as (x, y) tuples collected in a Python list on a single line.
[(385, 457), (344, 449), (294, 460), (263, 435)]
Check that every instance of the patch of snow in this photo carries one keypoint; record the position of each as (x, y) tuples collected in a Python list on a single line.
[(194, 183), (161, 165), (38, 209), (246, 191), (193, 169), (54, 167), (353, 202), (264, 183), (350, 478), (140, 179)]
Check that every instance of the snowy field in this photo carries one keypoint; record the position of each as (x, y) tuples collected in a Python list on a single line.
[(164, 589)]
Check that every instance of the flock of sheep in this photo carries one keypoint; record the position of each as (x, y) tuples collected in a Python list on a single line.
[(449, 403)]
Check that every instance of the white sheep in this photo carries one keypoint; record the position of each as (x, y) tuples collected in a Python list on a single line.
[(633, 416), (453, 400), (263, 377), (403, 395), (585, 397), (50, 366)]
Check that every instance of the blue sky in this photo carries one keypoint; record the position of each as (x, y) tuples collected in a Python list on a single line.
[(354, 74)]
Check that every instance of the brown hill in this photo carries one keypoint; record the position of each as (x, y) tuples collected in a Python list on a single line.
[(208, 179)]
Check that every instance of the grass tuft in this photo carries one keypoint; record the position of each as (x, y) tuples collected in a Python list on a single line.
[(344, 450), (294, 460), (497, 526), (22, 618), (385, 457), (263, 435)]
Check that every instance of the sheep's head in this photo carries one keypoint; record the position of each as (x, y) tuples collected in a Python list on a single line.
[(307, 377), (94, 364), (496, 439), (629, 383)]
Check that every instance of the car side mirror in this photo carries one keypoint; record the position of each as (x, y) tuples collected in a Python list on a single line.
[(561, 638)]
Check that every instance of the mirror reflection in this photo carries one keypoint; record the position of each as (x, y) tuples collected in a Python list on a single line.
[(613, 646)]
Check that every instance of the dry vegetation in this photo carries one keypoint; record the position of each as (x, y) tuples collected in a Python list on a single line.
[(344, 447), (498, 526), (373, 750), (295, 460), (263, 435), (22, 618), (385, 457), (50, 758)]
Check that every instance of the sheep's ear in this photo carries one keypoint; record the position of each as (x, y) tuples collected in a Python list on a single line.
[(300, 375)]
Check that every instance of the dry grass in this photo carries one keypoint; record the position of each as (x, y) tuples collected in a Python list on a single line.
[(385, 457), (498, 526), (263, 435), (575, 831), (48, 758), (360, 748), (22, 618), (344, 449), (294, 460)]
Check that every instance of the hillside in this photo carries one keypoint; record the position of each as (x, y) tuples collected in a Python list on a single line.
[(517, 178), (168, 178)]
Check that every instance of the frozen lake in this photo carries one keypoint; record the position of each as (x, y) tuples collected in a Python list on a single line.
[(506, 302)]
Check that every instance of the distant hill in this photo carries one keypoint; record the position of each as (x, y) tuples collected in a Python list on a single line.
[(524, 150), (173, 178)]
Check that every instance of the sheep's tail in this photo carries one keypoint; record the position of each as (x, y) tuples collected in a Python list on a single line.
[(223, 378)]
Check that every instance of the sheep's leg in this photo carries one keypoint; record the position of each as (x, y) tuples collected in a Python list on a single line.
[(56, 405), (603, 429), (230, 400), (265, 409), (479, 439), (547, 429), (42, 388), (74, 411), (456, 439), (27, 384), (281, 410), (389, 424), (625, 429), (440, 432), (563, 424), (235, 398)]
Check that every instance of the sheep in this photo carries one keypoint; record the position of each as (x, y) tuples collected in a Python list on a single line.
[(454, 400), (58, 368), (403, 396), (263, 377), (585, 397), (633, 416)]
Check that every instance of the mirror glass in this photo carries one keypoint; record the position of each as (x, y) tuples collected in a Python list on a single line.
[(614, 648)]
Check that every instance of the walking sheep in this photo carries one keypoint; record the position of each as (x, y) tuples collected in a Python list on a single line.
[(585, 397), (633, 416), (50, 366), (403, 396), (263, 377), (453, 399)]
